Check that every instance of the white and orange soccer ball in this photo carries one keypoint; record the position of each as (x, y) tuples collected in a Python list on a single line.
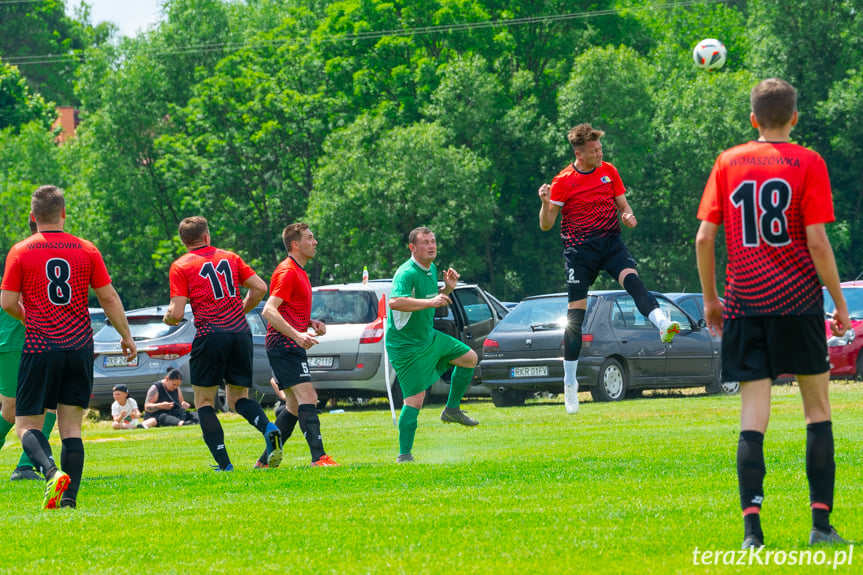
[(709, 54)]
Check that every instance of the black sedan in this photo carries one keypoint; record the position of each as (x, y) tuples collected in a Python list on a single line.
[(621, 350)]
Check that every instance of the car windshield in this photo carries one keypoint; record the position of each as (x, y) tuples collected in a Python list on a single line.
[(541, 314), (142, 327), (854, 297), (344, 306)]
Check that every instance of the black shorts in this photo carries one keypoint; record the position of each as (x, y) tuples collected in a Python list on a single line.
[(584, 262), (54, 377), (221, 356), (764, 347), (290, 366)]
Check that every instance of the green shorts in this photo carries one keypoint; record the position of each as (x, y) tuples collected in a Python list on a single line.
[(418, 368), (9, 362)]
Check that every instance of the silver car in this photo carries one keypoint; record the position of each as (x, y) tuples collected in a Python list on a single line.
[(349, 360), (160, 347)]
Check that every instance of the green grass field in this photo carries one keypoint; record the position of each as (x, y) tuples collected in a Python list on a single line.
[(630, 487)]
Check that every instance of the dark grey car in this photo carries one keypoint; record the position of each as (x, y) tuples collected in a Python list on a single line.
[(161, 346), (621, 350)]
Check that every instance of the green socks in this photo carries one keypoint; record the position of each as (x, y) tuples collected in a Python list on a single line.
[(407, 428), (459, 382), (5, 427)]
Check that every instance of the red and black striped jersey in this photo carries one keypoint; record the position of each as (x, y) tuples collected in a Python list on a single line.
[(211, 279), (53, 271), (587, 204), (290, 283), (766, 194)]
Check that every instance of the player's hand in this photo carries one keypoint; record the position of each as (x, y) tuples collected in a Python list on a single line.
[(440, 300), (128, 347), (629, 220), (185, 405), (840, 323), (319, 327), (545, 193), (306, 341), (713, 316), (450, 278)]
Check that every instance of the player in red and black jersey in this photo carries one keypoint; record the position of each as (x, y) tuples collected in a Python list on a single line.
[(774, 199), (589, 194), (288, 311), (210, 279), (52, 272)]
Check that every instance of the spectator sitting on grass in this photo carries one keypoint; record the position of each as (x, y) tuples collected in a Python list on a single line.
[(125, 410), (165, 405)]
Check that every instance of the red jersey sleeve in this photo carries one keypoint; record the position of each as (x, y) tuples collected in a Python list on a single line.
[(12, 272), (245, 270), (616, 181), (282, 286), (177, 279), (99, 276), (818, 201), (710, 209)]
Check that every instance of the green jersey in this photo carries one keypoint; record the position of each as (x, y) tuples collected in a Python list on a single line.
[(410, 330), (11, 333)]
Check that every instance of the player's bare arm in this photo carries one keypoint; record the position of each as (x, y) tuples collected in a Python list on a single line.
[(626, 214), (548, 212), (113, 306), (415, 304), (825, 264), (275, 319), (257, 290), (705, 242), (176, 309), (10, 302)]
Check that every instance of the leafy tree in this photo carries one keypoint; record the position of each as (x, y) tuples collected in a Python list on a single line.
[(18, 104), (375, 185)]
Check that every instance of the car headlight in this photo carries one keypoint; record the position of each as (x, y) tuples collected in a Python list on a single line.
[(844, 339)]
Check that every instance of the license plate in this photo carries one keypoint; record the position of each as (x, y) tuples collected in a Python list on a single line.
[(118, 361), (532, 371), (320, 361)]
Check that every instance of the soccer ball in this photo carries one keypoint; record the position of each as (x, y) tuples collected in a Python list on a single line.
[(709, 54)]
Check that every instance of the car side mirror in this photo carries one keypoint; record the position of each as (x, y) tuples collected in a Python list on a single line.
[(702, 323)]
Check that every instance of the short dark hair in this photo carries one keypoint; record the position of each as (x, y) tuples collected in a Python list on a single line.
[(773, 102), (293, 233), (174, 373), (582, 134), (47, 204), (192, 229), (412, 237)]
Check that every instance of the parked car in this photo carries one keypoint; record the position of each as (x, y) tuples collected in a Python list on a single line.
[(161, 346), (846, 361), (621, 350), (98, 319), (348, 361)]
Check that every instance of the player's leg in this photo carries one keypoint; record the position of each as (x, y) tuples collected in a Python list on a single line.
[(582, 267), (820, 461), (456, 353), (9, 361), (286, 421), (206, 368), (25, 468), (310, 424), (238, 373), (69, 420), (408, 422)]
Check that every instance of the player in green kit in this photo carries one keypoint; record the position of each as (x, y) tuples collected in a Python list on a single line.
[(419, 353)]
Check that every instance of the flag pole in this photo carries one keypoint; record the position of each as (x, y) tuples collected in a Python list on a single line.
[(382, 314)]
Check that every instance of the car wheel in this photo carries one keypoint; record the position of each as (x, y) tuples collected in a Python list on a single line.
[(859, 374), (611, 384), (724, 387), (508, 397)]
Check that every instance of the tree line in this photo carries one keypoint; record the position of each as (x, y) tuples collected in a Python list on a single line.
[(366, 118)]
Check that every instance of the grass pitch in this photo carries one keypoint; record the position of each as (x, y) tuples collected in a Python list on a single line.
[(630, 487)]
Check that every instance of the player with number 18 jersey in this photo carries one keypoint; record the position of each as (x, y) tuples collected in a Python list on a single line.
[(766, 193)]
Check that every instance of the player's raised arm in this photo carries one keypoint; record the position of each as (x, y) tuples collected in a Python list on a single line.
[(548, 211)]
